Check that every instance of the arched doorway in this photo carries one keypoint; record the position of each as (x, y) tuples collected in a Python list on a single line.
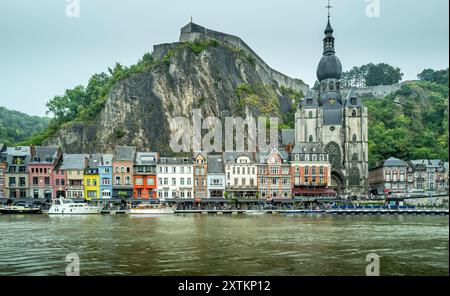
[(337, 183)]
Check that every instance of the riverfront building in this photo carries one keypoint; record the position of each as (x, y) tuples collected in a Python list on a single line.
[(106, 176), (274, 175), (2, 169), (241, 175), (41, 171), (200, 175), (123, 164), (175, 178), (72, 167), (17, 177), (92, 178), (216, 177), (145, 183)]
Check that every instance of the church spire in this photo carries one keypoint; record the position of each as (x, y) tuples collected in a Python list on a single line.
[(328, 41)]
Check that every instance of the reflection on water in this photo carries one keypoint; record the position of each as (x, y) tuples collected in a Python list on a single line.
[(223, 245)]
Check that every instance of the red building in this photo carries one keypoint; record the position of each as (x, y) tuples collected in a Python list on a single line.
[(144, 177)]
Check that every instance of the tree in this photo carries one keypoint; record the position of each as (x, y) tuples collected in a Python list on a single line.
[(439, 76)]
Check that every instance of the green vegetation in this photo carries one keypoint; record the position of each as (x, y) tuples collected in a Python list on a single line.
[(84, 103), (288, 118), (197, 47), (119, 133), (409, 124), (16, 126), (371, 75), (439, 76), (258, 96)]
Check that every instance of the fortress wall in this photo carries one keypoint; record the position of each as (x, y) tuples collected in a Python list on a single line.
[(374, 91), (261, 66)]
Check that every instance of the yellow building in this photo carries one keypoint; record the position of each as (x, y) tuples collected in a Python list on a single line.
[(91, 179)]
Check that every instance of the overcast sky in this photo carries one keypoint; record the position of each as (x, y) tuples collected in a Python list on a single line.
[(43, 51)]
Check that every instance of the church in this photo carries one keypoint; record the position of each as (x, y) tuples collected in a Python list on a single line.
[(336, 125)]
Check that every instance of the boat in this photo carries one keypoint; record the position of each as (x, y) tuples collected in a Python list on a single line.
[(255, 212), (20, 208), (152, 209), (69, 207)]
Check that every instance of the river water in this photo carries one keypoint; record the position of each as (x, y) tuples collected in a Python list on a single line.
[(224, 245)]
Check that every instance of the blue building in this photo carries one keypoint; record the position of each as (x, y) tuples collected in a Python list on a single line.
[(105, 171)]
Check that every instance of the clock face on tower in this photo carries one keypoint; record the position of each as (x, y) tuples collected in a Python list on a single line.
[(332, 101)]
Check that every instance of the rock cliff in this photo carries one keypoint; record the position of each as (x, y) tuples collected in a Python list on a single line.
[(219, 77)]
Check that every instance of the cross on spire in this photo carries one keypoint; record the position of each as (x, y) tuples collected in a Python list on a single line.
[(191, 19), (329, 8)]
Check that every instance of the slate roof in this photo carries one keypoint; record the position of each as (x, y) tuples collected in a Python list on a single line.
[(175, 160), (42, 153), (231, 157), (298, 149), (124, 153), (107, 160), (215, 164), (73, 162), (352, 95), (288, 136), (146, 158), (392, 161), (332, 116)]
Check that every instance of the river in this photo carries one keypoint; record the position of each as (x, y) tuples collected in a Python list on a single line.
[(224, 245)]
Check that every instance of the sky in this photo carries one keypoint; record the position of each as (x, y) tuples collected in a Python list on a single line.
[(43, 51)]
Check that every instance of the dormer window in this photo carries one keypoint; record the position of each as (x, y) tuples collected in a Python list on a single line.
[(324, 86), (353, 101), (331, 86)]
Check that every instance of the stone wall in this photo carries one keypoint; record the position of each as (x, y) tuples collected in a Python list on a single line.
[(261, 67), (374, 91)]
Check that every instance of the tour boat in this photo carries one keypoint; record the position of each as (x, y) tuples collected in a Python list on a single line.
[(69, 207), (152, 209), (20, 209)]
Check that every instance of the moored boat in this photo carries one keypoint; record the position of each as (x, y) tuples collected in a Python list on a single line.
[(69, 207), (152, 209), (20, 209)]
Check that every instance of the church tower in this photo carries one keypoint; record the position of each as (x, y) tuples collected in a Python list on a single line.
[(337, 125)]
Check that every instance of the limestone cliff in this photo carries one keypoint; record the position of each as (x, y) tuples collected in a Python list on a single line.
[(216, 76)]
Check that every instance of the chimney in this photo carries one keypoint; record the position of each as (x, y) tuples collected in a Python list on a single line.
[(32, 150)]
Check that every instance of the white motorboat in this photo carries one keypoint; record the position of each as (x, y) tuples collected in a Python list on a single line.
[(69, 207), (255, 212), (152, 209)]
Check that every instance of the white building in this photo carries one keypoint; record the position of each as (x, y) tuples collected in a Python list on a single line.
[(241, 175), (175, 177), (216, 177)]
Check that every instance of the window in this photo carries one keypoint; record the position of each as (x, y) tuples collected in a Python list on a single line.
[(353, 102), (117, 180), (354, 138), (47, 181), (139, 181), (324, 86), (355, 157), (150, 181), (354, 113), (331, 86), (311, 138), (35, 181), (127, 180), (310, 114)]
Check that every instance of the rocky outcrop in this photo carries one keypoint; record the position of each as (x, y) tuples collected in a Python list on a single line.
[(140, 108)]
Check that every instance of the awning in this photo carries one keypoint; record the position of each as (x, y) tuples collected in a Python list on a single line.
[(315, 191)]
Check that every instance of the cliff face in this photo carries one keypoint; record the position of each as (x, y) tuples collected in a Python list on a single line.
[(139, 109)]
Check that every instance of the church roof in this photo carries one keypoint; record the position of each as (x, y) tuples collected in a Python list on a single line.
[(328, 29), (329, 67), (356, 102)]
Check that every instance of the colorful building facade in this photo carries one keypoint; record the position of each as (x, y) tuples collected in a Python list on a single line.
[(106, 176), (41, 171), (144, 178), (274, 175), (17, 178), (123, 163)]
